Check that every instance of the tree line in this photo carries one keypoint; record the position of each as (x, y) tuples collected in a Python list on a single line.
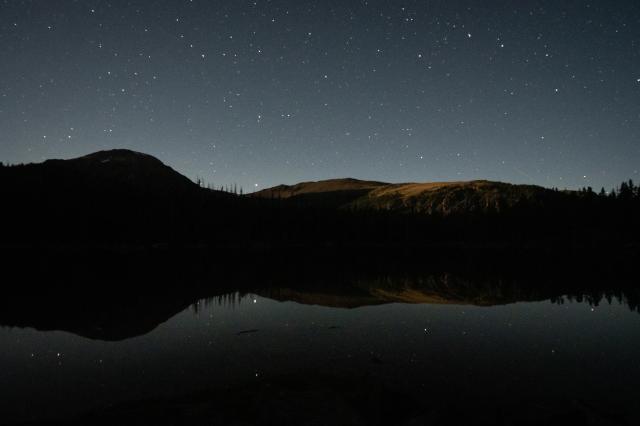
[(55, 204)]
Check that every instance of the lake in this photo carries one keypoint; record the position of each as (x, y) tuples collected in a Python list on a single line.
[(435, 348)]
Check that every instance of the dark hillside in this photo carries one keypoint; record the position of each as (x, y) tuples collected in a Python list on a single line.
[(108, 196), (122, 197)]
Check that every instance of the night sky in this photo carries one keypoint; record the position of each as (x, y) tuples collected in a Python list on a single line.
[(266, 92)]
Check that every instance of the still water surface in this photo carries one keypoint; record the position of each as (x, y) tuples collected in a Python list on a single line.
[(572, 351)]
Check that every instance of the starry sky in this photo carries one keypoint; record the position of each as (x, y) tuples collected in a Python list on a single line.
[(262, 92)]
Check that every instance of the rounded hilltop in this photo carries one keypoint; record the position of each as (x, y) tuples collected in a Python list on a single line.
[(135, 169)]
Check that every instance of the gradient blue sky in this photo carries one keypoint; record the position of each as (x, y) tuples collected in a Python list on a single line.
[(266, 92)]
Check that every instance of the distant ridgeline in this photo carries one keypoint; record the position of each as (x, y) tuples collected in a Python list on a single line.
[(125, 197)]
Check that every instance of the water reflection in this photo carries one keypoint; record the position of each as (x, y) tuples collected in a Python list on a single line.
[(450, 289), (126, 314), (396, 348)]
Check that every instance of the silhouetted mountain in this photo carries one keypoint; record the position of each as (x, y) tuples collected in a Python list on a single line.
[(125, 197), (140, 172), (116, 195), (104, 170)]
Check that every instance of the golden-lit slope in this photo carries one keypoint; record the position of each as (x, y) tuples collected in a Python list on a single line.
[(440, 289), (407, 190), (323, 186), (433, 197)]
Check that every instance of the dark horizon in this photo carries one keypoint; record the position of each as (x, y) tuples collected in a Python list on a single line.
[(198, 179)]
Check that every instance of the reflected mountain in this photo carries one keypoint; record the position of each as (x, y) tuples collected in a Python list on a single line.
[(447, 289), (221, 359), (109, 319), (125, 313)]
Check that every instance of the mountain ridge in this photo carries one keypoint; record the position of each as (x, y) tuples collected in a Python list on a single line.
[(146, 174), (140, 171), (121, 196), (425, 197)]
